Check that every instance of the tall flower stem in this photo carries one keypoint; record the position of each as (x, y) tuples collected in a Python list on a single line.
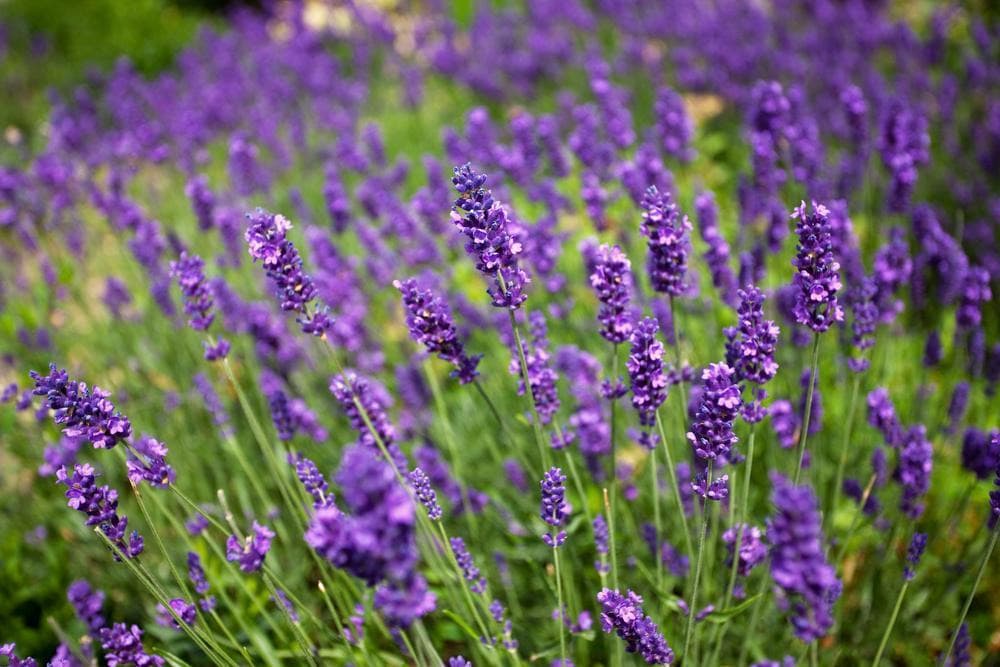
[(808, 411), (614, 469), (693, 604), (842, 463), (676, 487), (655, 481), (562, 612), (758, 605), (536, 422), (473, 608), (449, 439), (892, 622), (677, 355), (615, 646), (859, 512), (972, 593), (743, 512)]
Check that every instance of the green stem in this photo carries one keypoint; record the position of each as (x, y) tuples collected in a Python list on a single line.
[(839, 480), (758, 605), (892, 622), (676, 488), (859, 512), (536, 422), (972, 593), (614, 472), (655, 480), (562, 611), (808, 411), (693, 604)]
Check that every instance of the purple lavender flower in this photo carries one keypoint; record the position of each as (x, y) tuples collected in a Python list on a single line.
[(673, 126), (122, 645), (914, 471), (477, 583), (313, 480), (189, 271), (913, 553), (645, 369), (555, 509), (979, 456), (515, 475), (932, 350), (717, 257), (484, 223), (716, 489), (100, 504), (425, 494), (611, 279), (752, 548), (7, 651), (667, 238), (352, 391), (251, 550), (904, 144), (186, 611), (146, 461), (975, 292), (458, 661), (785, 423), (865, 313), (542, 376), (960, 654), (891, 268), (196, 573), (750, 347), (87, 604), (805, 584), (882, 415), (957, 406), (116, 296), (816, 277), (601, 544), (267, 242), (202, 201), (623, 614), (83, 412), (711, 433), (429, 320)]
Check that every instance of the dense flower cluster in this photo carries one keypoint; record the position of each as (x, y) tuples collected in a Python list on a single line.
[(364, 404), (268, 243), (623, 615), (611, 279), (122, 645), (816, 270), (542, 376), (555, 510), (82, 412), (313, 480), (913, 554), (914, 470), (805, 583), (477, 582), (489, 238), (100, 504), (750, 348), (425, 493), (752, 548), (250, 551), (645, 369), (711, 435), (666, 233), (87, 604)]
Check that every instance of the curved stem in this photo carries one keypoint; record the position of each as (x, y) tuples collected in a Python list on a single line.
[(839, 480), (808, 411), (692, 605), (972, 593)]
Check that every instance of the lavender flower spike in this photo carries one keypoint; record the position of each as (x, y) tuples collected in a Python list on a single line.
[(425, 494), (100, 504), (84, 413), (490, 241), (611, 279), (429, 320), (251, 550), (477, 583), (816, 278), (555, 509), (667, 235), (711, 432), (806, 585), (645, 368), (623, 614), (267, 242)]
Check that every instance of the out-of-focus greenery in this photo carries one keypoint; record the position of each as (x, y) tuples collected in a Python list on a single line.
[(46, 44)]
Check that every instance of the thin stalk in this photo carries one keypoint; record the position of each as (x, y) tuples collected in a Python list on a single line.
[(578, 485), (744, 511), (892, 622), (409, 647), (673, 484), (859, 512), (839, 480), (808, 412), (754, 619), (693, 604), (536, 422), (616, 650), (425, 639), (655, 479), (473, 608), (677, 354), (491, 442), (972, 593), (562, 612), (614, 472)]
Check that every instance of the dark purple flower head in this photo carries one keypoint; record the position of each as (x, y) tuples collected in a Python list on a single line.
[(716, 489), (147, 462), (477, 583), (122, 645), (425, 494), (932, 350), (961, 655), (913, 553), (816, 277), (904, 144), (979, 455), (555, 509), (957, 406), (750, 346), (864, 311), (313, 480), (351, 391), (975, 292), (752, 547), (266, 239), (711, 433), (250, 551), (189, 271), (891, 269), (611, 279), (667, 237), (914, 471), (7, 651), (430, 322), (806, 585), (489, 238), (624, 615), (87, 604), (645, 369), (100, 504), (717, 257), (186, 611), (84, 413), (542, 376)]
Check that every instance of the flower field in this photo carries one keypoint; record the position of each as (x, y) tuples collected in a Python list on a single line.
[(557, 333)]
